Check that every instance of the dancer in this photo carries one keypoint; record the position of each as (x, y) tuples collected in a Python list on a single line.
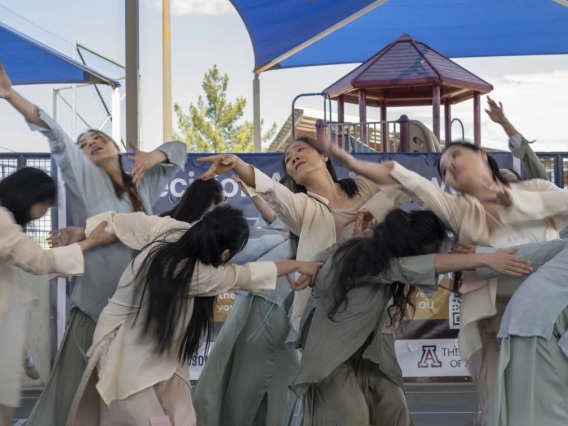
[(480, 216), (347, 365), (153, 324), (25, 195), (246, 377), (96, 182), (317, 208)]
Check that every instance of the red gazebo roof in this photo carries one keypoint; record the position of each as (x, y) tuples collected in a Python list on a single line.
[(403, 74)]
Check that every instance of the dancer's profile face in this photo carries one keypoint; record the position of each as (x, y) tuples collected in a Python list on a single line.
[(303, 162)]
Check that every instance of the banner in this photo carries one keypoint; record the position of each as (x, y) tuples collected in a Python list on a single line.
[(426, 345)]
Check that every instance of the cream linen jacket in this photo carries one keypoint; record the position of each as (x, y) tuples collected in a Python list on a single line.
[(308, 216), (20, 251), (130, 364), (539, 210)]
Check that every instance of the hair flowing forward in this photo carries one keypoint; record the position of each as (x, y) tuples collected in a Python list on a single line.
[(167, 273), (401, 234)]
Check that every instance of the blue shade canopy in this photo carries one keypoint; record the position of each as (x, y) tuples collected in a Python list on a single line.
[(27, 61), (455, 28)]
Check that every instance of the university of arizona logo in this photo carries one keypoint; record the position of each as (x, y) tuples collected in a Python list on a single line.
[(429, 357)]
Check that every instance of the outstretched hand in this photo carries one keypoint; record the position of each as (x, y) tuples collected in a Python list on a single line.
[(5, 83), (362, 219), (220, 163), (498, 194), (143, 161), (65, 236), (308, 272), (506, 263), (495, 112)]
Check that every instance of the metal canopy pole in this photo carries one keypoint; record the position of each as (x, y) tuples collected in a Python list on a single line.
[(131, 12), (256, 112), (167, 70)]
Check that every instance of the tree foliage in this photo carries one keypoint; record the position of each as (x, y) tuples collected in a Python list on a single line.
[(215, 124)]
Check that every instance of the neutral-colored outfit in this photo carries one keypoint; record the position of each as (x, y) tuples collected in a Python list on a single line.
[(309, 217), (466, 216), (245, 380), (17, 250), (319, 226), (349, 371), (90, 192), (126, 382), (532, 375)]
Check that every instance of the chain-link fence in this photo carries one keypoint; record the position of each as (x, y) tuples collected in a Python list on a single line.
[(556, 166)]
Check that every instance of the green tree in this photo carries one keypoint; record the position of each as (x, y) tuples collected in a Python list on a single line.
[(215, 124)]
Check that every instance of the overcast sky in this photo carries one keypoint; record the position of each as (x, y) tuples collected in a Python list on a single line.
[(534, 90)]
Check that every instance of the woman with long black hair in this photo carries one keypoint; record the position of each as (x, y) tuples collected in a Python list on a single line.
[(348, 366), (488, 211), (153, 324)]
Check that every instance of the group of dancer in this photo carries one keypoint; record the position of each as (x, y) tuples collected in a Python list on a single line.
[(310, 336)]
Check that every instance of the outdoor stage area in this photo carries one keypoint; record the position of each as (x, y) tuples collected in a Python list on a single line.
[(430, 405)]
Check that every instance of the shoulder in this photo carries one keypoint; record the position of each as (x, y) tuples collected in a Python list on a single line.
[(534, 185), (6, 217)]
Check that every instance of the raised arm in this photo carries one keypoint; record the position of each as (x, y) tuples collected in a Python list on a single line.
[(222, 163), (449, 208), (21, 104), (518, 145)]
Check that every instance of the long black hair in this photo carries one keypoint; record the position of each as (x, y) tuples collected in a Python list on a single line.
[(167, 272), (22, 189), (129, 187), (493, 166), (347, 185), (401, 234), (197, 198)]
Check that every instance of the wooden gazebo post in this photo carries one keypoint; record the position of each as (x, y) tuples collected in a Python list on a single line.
[(384, 127), (448, 120), (340, 119), (436, 111), (477, 119), (363, 115)]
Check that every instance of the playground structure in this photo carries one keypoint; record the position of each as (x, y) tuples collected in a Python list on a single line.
[(407, 72)]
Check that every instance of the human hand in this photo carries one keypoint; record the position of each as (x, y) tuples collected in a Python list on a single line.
[(98, 237), (220, 163), (463, 248), (495, 112), (5, 83), (498, 194), (324, 144), (362, 219), (308, 272), (143, 161), (505, 263), (65, 236)]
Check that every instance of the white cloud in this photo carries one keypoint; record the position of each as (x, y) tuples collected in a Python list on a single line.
[(198, 7)]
